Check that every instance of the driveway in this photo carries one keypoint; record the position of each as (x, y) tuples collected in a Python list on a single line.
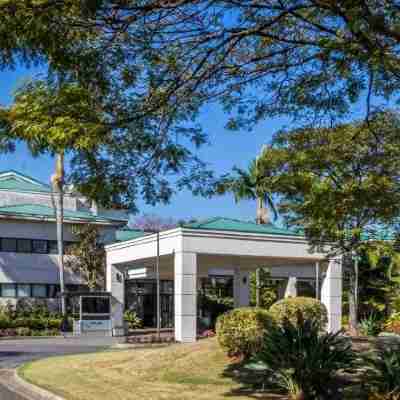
[(16, 352)]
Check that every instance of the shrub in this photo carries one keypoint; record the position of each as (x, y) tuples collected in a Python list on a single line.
[(134, 322), (240, 332), (22, 331), (303, 361), (383, 374), (290, 307), (392, 324), (370, 326)]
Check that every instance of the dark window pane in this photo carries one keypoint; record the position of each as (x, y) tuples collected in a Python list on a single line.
[(53, 291), (53, 248), (39, 246), (24, 246), (9, 245), (39, 291)]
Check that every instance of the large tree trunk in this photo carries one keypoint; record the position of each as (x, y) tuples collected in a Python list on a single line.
[(58, 184)]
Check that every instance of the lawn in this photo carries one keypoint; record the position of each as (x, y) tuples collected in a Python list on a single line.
[(191, 371)]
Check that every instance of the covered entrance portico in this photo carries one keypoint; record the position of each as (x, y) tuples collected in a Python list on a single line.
[(196, 251)]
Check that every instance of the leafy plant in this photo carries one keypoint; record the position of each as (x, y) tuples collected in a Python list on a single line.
[(302, 361), (370, 326), (240, 332), (383, 374), (392, 324), (134, 322), (289, 309)]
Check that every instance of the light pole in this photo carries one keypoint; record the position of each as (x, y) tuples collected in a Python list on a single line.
[(158, 287)]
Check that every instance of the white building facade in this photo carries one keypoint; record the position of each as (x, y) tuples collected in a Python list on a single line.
[(188, 254), (28, 239)]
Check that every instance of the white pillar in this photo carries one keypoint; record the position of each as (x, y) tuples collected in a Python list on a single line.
[(185, 307), (241, 288), (331, 294), (291, 287), (115, 283)]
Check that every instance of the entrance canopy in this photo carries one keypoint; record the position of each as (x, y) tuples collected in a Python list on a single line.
[(196, 250)]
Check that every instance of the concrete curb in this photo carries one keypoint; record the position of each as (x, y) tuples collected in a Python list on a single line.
[(6, 338), (34, 392)]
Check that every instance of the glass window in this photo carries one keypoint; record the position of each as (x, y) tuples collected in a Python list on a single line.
[(53, 291), (52, 247), (39, 246), (24, 246), (8, 290), (23, 290), (39, 291), (9, 245)]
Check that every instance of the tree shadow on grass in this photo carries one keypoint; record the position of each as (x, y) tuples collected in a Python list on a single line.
[(254, 382)]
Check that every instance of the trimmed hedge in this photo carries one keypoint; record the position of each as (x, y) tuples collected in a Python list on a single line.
[(290, 307), (240, 331)]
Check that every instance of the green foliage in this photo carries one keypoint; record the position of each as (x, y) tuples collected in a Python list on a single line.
[(240, 331), (370, 325), (134, 322), (268, 289), (383, 375), (289, 309), (89, 257), (392, 324), (304, 362)]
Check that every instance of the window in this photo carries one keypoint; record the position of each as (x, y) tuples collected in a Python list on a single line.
[(53, 291), (39, 246), (9, 245), (23, 290), (24, 246), (8, 290), (52, 247), (39, 290)]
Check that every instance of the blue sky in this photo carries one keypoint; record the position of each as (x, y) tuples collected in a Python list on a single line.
[(226, 150)]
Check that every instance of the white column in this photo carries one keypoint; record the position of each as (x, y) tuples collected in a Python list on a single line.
[(241, 288), (331, 294), (291, 287), (185, 307), (115, 283)]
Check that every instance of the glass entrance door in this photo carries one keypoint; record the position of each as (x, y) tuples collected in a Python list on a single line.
[(141, 297)]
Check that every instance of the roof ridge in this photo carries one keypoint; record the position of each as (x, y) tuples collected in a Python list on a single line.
[(24, 176)]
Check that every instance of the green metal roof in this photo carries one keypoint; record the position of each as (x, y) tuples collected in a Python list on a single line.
[(125, 234), (16, 182), (234, 225), (42, 211)]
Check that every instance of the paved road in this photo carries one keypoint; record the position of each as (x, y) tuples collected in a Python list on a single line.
[(15, 352)]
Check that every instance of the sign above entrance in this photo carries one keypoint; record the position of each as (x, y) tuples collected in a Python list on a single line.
[(140, 273)]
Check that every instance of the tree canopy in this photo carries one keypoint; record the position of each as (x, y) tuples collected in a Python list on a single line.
[(340, 185)]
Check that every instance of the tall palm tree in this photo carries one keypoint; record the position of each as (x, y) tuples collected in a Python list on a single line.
[(57, 180), (250, 184)]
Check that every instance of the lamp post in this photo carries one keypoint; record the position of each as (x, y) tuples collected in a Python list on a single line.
[(158, 287)]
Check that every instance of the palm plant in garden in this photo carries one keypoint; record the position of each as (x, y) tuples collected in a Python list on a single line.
[(304, 362), (383, 375)]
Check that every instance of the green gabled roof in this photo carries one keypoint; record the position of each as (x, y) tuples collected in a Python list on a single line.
[(122, 235), (234, 225), (42, 211), (16, 182)]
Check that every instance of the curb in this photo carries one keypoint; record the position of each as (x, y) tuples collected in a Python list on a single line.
[(38, 392), (7, 338)]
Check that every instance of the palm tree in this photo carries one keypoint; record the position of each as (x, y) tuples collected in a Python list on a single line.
[(57, 180), (250, 184)]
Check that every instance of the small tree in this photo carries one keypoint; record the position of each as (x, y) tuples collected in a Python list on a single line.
[(89, 257)]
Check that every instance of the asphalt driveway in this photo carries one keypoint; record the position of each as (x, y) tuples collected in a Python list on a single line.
[(13, 353)]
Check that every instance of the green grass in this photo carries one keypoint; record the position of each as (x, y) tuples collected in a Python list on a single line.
[(184, 372)]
